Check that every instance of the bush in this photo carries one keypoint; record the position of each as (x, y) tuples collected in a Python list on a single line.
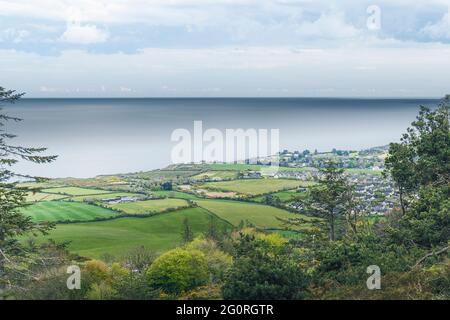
[(96, 271), (178, 270)]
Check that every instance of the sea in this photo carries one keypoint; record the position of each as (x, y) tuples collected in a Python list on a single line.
[(109, 136)]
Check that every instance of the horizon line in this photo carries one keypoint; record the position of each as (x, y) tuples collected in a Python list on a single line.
[(246, 97)]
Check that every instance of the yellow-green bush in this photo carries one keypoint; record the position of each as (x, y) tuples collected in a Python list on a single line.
[(178, 270)]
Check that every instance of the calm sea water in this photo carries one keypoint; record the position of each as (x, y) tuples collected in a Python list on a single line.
[(104, 136)]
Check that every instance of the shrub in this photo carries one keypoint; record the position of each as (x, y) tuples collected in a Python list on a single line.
[(178, 270)]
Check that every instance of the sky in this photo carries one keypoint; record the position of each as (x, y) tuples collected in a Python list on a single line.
[(225, 48)]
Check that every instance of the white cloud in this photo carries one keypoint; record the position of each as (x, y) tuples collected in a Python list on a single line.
[(254, 22), (14, 35), (328, 25), (439, 30), (83, 34), (154, 72)]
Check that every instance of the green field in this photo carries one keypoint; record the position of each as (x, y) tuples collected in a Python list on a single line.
[(40, 196), (226, 174), (65, 211), (149, 206), (174, 194), (255, 186), (258, 214), (115, 237), (100, 197), (284, 196), (75, 191)]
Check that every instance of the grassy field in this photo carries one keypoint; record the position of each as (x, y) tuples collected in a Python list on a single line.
[(99, 197), (75, 191), (66, 211), (255, 186), (40, 196), (235, 211), (115, 237), (284, 196), (216, 174), (149, 206), (175, 194), (164, 175)]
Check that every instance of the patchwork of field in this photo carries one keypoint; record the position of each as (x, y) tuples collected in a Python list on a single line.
[(54, 211), (102, 196), (149, 206), (94, 239), (116, 237), (255, 186), (39, 196), (234, 212), (75, 191)]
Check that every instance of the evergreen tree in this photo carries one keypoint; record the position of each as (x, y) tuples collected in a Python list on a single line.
[(264, 268), (420, 167), (13, 254), (332, 199)]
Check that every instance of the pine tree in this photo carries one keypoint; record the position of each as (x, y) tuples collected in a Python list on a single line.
[(13, 254), (332, 199)]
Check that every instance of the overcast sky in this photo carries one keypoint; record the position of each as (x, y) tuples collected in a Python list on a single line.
[(128, 48)]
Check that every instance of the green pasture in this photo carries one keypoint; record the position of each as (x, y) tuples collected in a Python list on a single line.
[(255, 187), (100, 197), (40, 196), (116, 237), (149, 206), (236, 211), (55, 211), (75, 191), (174, 194)]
